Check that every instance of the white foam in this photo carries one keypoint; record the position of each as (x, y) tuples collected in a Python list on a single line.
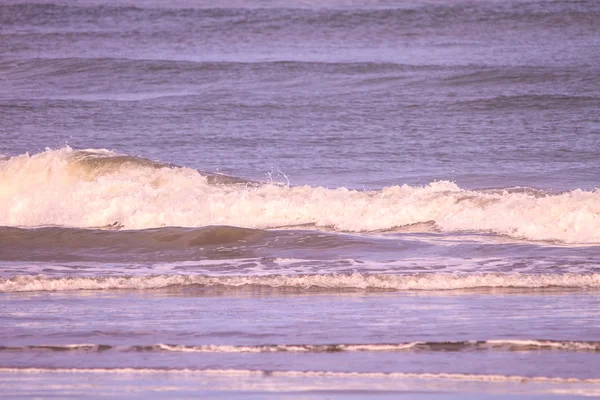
[(316, 348), (501, 344), (62, 187), (432, 281), (332, 374), (486, 345), (547, 344)]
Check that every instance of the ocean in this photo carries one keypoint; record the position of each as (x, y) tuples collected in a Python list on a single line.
[(300, 199)]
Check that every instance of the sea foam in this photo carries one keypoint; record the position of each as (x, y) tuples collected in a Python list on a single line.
[(310, 374), (472, 345), (354, 281), (95, 188)]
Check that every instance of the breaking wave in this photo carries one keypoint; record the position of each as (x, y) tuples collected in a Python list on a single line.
[(479, 345), (354, 281), (100, 188)]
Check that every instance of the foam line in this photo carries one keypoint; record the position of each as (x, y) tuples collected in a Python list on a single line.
[(432, 281), (332, 374)]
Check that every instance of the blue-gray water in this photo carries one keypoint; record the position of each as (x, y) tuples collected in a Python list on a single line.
[(298, 198)]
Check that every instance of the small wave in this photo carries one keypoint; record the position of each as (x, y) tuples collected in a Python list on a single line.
[(538, 102), (354, 281), (110, 237), (69, 66), (483, 345), (317, 15), (96, 188), (313, 374)]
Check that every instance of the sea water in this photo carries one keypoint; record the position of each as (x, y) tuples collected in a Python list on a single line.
[(300, 199)]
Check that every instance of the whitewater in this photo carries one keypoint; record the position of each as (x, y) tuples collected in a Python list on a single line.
[(100, 188), (326, 281)]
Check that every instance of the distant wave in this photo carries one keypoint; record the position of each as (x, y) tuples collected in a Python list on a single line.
[(480, 345), (540, 102), (354, 281), (180, 71), (70, 66), (97, 188), (321, 15)]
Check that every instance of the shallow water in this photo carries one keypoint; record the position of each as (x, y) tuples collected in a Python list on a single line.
[(299, 199)]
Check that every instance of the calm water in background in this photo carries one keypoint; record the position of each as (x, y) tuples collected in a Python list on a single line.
[(301, 199)]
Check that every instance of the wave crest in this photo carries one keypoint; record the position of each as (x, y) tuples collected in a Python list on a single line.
[(95, 188), (479, 345)]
